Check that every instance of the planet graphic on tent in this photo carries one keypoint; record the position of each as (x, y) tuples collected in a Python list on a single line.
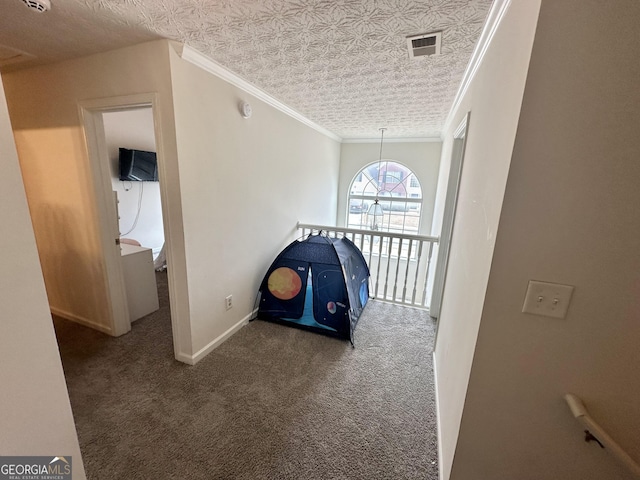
[(284, 283)]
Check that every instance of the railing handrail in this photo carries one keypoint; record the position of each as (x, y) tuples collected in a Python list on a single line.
[(404, 236), (580, 412), (363, 196)]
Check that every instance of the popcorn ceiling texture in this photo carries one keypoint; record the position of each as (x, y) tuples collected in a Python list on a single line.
[(342, 64)]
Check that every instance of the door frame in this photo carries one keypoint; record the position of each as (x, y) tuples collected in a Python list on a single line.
[(91, 115), (448, 217)]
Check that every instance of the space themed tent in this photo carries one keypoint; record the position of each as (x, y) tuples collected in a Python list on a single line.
[(318, 283)]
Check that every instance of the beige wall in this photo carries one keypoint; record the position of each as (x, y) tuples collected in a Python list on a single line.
[(493, 98), (240, 185), (43, 104), (57, 187), (245, 184), (423, 158), (569, 177), (35, 413), (569, 216)]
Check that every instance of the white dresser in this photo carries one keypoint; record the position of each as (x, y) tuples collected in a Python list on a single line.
[(140, 280)]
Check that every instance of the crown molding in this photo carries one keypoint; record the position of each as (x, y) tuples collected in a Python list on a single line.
[(393, 140), (494, 17), (195, 57)]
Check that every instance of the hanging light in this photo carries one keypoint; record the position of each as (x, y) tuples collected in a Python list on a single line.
[(375, 214)]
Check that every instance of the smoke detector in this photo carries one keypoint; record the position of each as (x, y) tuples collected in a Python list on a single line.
[(38, 5)]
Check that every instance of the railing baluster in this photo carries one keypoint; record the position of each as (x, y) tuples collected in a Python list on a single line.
[(406, 272), (379, 262), (395, 282), (369, 260), (387, 252), (426, 277), (415, 282), (386, 278)]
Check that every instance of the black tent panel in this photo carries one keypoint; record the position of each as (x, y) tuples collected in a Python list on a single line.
[(330, 299), (316, 249)]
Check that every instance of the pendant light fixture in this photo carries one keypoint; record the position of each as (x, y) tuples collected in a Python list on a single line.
[(375, 214)]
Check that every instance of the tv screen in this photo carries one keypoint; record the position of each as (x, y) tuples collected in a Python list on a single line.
[(138, 166)]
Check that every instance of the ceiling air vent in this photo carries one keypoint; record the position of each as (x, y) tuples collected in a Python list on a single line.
[(424, 45)]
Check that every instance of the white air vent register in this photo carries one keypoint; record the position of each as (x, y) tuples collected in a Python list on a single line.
[(424, 45)]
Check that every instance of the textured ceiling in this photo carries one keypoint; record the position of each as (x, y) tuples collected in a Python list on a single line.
[(341, 63)]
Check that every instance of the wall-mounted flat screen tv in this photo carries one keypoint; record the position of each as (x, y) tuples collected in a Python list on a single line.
[(138, 166)]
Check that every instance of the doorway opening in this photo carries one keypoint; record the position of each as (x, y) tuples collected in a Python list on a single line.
[(130, 140), (131, 213)]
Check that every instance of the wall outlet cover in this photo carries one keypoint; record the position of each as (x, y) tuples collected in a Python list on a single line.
[(228, 302)]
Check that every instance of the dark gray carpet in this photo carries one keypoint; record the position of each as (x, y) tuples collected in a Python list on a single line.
[(272, 402)]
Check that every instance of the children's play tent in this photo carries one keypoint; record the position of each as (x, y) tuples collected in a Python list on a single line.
[(319, 283)]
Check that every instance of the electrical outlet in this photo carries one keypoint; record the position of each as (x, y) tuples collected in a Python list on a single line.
[(228, 301), (547, 299)]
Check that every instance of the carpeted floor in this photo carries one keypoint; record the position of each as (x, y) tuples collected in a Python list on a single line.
[(272, 402)]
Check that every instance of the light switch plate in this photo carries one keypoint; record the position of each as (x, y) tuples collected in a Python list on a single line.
[(547, 299)]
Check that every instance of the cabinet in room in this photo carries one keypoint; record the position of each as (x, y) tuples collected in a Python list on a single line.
[(140, 280)]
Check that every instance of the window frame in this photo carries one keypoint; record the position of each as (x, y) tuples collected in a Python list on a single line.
[(405, 203)]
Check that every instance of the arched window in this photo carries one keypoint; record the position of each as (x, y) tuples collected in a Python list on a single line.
[(399, 196)]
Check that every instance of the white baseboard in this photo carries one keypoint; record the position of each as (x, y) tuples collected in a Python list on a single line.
[(435, 384), (184, 358), (203, 352), (81, 320), (181, 357)]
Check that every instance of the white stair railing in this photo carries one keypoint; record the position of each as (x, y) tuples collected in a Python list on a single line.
[(597, 433), (399, 264)]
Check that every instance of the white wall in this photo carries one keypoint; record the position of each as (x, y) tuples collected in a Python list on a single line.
[(133, 129), (569, 216), (35, 413), (422, 158), (494, 98), (245, 183)]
